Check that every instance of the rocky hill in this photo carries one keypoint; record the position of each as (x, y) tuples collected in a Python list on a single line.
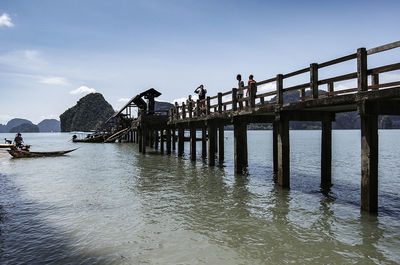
[(89, 113), (25, 128), (160, 105), (49, 125), (11, 124)]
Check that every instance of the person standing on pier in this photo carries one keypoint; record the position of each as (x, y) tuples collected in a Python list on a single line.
[(250, 84), (202, 96), (240, 90)]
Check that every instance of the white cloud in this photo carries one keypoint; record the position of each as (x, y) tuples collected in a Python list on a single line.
[(82, 90), (124, 99), (4, 118), (58, 81), (5, 21)]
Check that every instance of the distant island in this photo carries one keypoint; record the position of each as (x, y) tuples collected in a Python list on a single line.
[(89, 113), (23, 125)]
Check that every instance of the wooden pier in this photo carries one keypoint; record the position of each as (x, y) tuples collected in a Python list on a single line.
[(319, 101)]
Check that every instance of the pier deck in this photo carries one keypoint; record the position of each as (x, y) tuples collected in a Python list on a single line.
[(318, 101)]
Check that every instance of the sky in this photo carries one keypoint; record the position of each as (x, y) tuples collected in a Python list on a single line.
[(52, 53)]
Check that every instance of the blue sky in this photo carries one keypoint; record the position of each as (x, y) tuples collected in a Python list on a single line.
[(51, 49)]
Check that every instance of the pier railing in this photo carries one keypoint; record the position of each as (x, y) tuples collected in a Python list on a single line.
[(227, 101)]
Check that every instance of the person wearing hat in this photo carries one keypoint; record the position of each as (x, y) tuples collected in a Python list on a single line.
[(18, 141)]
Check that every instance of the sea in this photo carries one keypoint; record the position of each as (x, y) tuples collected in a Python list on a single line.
[(110, 204)]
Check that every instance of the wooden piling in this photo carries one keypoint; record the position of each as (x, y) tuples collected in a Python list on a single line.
[(140, 139), (326, 153), (275, 149), (216, 139), (156, 139), (240, 145), (144, 139), (369, 163), (283, 151), (193, 143), (173, 139), (151, 138), (162, 141), (221, 142), (181, 143), (203, 142), (212, 133), (168, 140)]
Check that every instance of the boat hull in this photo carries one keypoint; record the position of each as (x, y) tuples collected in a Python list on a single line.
[(25, 154), (89, 140)]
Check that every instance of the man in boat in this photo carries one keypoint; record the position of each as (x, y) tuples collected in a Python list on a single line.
[(18, 141)]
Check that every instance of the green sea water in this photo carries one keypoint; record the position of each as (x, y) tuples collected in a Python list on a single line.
[(109, 204)]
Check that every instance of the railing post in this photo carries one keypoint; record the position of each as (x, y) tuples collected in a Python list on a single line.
[(190, 109), (362, 77), (234, 99), (183, 111), (253, 89), (279, 89), (302, 94), (198, 108), (219, 102), (176, 112), (208, 106), (330, 88), (375, 81), (314, 79)]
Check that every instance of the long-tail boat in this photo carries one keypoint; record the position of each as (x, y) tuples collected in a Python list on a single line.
[(89, 139), (18, 153)]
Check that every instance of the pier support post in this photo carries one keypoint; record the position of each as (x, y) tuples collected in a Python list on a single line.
[(173, 139), (369, 163), (216, 139), (221, 143), (156, 139), (168, 140), (144, 139), (275, 149), (283, 151), (193, 143), (240, 145), (326, 153), (203, 142), (212, 133), (151, 138), (162, 141), (140, 139), (181, 143), (136, 137)]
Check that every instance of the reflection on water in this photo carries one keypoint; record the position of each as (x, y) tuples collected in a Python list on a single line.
[(106, 203)]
